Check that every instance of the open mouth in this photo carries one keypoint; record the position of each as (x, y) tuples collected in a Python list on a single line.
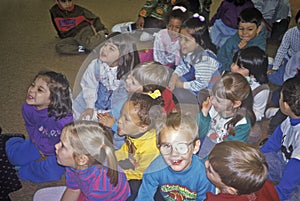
[(176, 162)]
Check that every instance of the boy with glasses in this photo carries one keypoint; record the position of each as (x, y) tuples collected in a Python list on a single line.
[(79, 29), (177, 173)]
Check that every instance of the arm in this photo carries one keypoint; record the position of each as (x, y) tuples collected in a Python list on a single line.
[(159, 49), (225, 54), (241, 131), (282, 51), (274, 142), (260, 103), (96, 22), (203, 124), (148, 187), (70, 195), (145, 11)]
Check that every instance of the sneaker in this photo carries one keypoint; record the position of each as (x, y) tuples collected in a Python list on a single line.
[(270, 112), (123, 27), (146, 37), (81, 49)]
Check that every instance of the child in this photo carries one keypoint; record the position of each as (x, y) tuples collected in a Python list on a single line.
[(116, 58), (79, 29), (178, 173), (136, 123), (227, 114), (47, 109), (197, 65), (249, 27), (224, 23), (239, 171), (252, 63), (144, 78), (282, 147), (289, 46), (166, 49), (92, 173)]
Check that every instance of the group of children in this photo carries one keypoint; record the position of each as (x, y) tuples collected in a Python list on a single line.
[(128, 135)]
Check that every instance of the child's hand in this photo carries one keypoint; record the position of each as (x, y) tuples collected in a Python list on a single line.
[(242, 44), (173, 81), (140, 23), (87, 114), (206, 105), (270, 71), (106, 119)]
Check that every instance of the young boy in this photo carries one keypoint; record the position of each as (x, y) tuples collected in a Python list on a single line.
[(239, 171), (79, 29), (249, 27), (177, 173), (282, 150)]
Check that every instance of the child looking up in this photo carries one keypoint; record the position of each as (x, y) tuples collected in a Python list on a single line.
[(92, 173), (224, 23), (136, 123), (197, 64), (249, 27), (116, 58), (227, 114), (78, 28), (178, 173), (47, 109), (166, 49), (282, 147), (239, 171)]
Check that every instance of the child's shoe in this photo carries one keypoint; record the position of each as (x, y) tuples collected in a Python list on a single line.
[(123, 27)]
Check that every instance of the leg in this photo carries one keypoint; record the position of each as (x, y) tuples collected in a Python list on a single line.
[(89, 39), (67, 46), (276, 166), (134, 188), (50, 193), (276, 121)]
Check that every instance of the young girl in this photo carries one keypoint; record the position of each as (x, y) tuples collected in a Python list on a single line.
[(92, 173), (197, 65), (227, 114), (116, 58), (47, 109), (166, 49), (224, 23), (136, 123)]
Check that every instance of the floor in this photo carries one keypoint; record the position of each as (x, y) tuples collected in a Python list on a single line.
[(27, 46)]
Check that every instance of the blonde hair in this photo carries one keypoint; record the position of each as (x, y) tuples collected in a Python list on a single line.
[(95, 141)]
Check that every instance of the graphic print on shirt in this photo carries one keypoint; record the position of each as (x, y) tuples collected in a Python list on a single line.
[(177, 193)]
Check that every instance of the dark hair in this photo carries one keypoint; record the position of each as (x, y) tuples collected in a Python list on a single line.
[(238, 2), (128, 58), (60, 93), (197, 27), (177, 13), (250, 15), (291, 94), (255, 60), (297, 16), (239, 165)]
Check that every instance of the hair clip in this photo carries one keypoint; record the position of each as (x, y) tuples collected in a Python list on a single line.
[(200, 17), (155, 94), (183, 9)]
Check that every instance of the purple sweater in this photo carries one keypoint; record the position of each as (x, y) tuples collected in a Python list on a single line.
[(229, 13), (44, 131)]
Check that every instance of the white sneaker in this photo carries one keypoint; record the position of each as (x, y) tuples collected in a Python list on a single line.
[(122, 27), (270, 112), (81, 49), (146, 36)]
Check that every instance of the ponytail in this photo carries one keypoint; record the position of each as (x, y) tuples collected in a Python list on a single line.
[(112, 164)]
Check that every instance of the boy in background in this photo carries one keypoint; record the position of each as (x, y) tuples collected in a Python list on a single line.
[(79, 29), (282, 149)]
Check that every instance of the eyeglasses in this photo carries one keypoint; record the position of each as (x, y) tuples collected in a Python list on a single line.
[(64, 1), (181, 147)]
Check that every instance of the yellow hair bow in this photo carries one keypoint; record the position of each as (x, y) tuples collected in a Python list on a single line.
[(155, 94)]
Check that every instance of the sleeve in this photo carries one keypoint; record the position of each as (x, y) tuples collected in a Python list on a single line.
[(27, 116), (148, 188), (289, 180), (225, 54), (273, 144), (89, 84), (242, 132), (96, 22), (181, 68), (148, 7), (260, 103), (159, 49), (282, 51), (203, 124)]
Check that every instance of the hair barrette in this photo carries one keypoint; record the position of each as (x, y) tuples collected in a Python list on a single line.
[(200, 17), (155, 94), (183, 9)]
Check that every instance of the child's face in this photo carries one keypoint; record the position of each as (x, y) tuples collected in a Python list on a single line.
[(64, 152), (241, 70), (187, 42), (129, 122), (38, 94), (173, 28), (109, 53), (65, 4), (132, 85), (177, 148), (223, 106), (247, 31), (213, 176)]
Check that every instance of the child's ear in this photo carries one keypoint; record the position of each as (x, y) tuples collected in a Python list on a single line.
[(259, 28), (237, 104), (197, 146), (82, 159)]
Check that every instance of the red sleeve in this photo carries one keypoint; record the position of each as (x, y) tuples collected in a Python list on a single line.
[(168, 100)]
